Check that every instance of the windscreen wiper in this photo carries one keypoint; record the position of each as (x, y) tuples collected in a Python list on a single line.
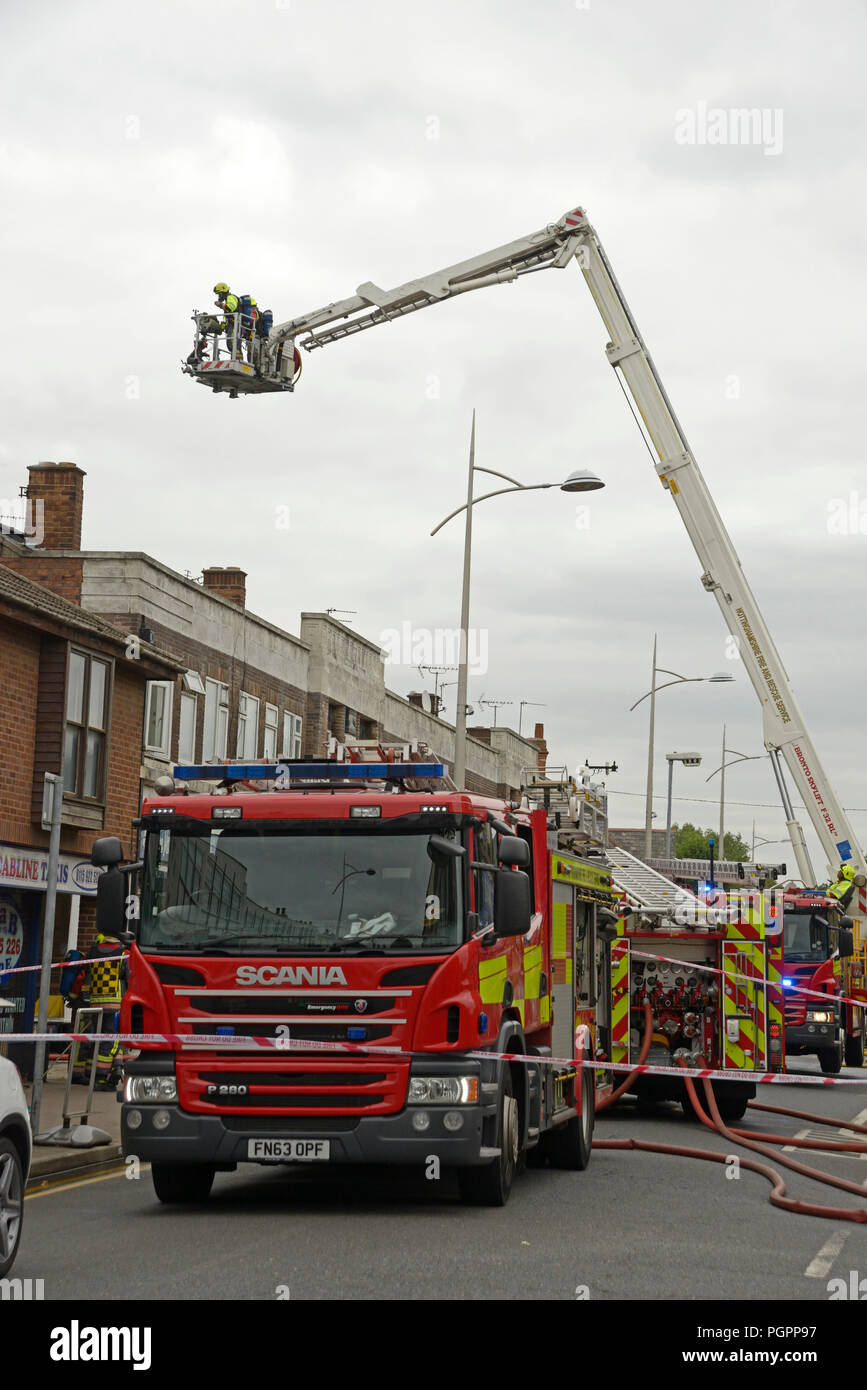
[(215, 943)]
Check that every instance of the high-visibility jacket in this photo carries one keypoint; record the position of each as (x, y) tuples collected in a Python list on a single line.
[(843, 888), (105, 978)]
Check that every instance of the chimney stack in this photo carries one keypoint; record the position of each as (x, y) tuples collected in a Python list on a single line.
[(538, 740), (421, 699), (230, 583), (57, 491)]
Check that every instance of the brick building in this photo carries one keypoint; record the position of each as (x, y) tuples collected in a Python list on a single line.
[(246, 688), (72, 703)]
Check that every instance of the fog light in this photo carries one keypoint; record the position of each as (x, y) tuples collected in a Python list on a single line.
[(133, 1119), (453, 1120), (421, 1120), (162, 1119)]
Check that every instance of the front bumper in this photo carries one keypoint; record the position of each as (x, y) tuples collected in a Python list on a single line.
[(222, 1139), (811, 1037)]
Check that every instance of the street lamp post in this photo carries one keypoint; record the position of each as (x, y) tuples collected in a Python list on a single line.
[(578, 481), (715, 679), (759, 841), (688, 760), (738, 758)]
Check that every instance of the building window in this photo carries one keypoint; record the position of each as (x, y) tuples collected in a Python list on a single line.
[(269, 745), (292, 727), (193, 682), (187, 729), (87, 690), (248, 726), (158, 718), (215, 734)]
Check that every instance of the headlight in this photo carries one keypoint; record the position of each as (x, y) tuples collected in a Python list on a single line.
[(820, 1016), (443, 1090), (140, 1089)]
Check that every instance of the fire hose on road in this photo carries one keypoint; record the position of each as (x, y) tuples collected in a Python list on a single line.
[(743, 1139)]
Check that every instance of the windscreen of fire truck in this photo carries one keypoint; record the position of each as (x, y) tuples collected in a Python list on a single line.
[(244, 887)]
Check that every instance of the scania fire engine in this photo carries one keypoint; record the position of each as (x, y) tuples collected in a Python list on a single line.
[(329, 962)]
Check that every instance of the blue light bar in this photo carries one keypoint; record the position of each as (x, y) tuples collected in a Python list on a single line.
[(306, 772)]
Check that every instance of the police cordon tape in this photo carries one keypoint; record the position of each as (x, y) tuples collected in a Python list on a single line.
[(760, 980), (82, 963), (208, 1040)]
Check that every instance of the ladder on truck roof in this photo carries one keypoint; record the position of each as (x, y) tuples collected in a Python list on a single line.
[(644, 888), (288, 774)]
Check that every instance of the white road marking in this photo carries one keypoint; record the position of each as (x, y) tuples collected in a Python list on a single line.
[(860, 1118), (793, 1148), (821, 1265), (824, 1137)]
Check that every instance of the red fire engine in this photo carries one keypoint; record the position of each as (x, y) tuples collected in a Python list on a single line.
[(819, 956), (372, 936), (709, 981)]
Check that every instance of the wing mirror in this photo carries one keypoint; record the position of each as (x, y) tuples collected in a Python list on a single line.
[(513, 853)]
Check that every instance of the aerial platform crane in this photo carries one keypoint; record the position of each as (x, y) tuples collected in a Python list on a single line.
[(276, 366)]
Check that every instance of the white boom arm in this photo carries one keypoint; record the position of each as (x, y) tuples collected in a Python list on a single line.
[(785, 732), (370, 305)]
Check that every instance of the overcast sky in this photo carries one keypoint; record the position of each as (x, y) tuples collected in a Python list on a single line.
[(298, 149)]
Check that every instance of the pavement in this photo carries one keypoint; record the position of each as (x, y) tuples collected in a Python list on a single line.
[(73, 1159)]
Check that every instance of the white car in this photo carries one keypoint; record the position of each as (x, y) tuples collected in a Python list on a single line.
[(16, 1146)]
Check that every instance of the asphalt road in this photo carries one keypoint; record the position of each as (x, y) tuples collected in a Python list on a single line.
[(633, 1226)]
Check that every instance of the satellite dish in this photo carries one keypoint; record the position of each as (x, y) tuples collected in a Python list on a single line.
[(427, 703)]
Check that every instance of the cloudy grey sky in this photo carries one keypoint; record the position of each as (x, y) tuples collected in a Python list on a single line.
[(297, 149)]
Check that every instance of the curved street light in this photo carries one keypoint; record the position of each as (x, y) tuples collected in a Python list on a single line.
[(716, 679), (581, 480), (738, 758)]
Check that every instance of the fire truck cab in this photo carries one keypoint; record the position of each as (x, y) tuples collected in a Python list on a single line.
[(818, 950), (353, 963)]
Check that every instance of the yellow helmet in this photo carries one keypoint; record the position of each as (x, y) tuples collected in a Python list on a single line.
[(221, 287)]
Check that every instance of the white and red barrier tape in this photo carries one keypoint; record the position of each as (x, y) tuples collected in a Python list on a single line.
[(207, 1040), (688, 965), (64, 964)]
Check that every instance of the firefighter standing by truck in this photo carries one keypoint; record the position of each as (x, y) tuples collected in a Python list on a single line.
[(100, 984)]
